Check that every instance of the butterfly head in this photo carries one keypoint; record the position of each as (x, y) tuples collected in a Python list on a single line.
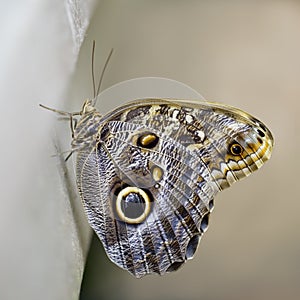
[(87, 107)]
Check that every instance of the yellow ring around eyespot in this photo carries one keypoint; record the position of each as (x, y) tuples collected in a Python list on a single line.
[(123, 193)]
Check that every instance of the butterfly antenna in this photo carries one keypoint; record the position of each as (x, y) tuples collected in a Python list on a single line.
[(93, 68), (103, 71), (96, 92)]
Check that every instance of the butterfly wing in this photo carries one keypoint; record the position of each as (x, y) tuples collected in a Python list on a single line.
[(149, 180)]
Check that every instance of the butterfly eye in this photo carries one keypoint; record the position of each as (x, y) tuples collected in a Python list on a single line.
[(147, 140), (236, 149)]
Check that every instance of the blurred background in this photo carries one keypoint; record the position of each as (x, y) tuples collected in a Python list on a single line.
[(242, 53)]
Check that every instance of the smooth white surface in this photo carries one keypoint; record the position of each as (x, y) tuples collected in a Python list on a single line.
[(42, 251)]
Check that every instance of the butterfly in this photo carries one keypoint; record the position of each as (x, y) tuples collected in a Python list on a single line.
[(148, 172)]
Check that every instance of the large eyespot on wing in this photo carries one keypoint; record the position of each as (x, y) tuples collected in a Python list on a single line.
[(181, 204), (133, 204)]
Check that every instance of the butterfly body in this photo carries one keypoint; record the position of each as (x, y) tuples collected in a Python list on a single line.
[(149, 170)]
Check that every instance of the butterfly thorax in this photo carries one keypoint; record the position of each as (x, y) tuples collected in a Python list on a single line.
[(87, 128)]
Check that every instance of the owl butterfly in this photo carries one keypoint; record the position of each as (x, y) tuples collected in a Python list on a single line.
[(148, 172)]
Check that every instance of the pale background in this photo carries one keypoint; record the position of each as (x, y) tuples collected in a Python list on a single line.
[(243, 53)]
